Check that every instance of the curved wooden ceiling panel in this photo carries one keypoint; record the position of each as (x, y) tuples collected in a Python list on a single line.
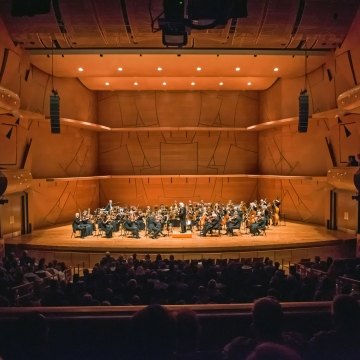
[(132, 23)]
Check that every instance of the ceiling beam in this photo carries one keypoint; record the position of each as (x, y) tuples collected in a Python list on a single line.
[(162, 51)]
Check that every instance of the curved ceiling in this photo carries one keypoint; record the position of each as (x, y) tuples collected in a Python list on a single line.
[(102, 35)]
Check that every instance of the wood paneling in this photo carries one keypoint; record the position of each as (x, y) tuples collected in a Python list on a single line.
[(153, 191), (56, 202)]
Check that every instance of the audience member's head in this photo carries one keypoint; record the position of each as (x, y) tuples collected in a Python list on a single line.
[(346, 314), (273, 351), (267, 318), (153, 333), (188, 331)]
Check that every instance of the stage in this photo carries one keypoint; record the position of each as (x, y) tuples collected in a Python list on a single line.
[(289, 241)]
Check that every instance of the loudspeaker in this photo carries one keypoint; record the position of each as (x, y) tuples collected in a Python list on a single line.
[(27, 73), (329, 74), (303, 112), (55, 114), (30, 7)]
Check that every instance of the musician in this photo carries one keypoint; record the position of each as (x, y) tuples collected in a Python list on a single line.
[(85, 220), (182, 217), (78, 225), (275, 212), (233, 222), (212, 222), (259, 224), (109, 206), (153, 226), (107, 226), (139, 220), (130, 225)]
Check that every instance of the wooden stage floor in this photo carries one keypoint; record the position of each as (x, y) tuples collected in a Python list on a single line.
[(289, 235)]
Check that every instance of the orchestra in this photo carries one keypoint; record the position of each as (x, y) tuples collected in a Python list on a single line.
[(202, 217)]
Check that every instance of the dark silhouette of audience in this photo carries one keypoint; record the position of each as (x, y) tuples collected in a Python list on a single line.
[(267, 327), (273, 351), (152, 334), (343, 341)]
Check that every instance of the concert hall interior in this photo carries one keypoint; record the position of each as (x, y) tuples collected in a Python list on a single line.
[(213, 132), (96, 105)]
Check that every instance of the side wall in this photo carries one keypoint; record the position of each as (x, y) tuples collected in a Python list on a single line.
[(30, 144), (284, 151)]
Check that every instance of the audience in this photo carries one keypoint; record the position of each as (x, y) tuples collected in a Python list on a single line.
[(157, 333), (343, 341), (267, 326), (152, 334)]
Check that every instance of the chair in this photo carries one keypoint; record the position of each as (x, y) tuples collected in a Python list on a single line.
[(101, 230), (262, 230), (75, 231)]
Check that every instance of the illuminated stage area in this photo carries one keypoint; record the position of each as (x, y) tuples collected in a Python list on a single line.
[(288, 242)]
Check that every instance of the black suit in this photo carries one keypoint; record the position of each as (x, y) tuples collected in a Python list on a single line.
[(182, 217), (232, 224), (131, 226), (153, 227)]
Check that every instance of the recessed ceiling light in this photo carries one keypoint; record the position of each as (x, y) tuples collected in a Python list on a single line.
[(120, 69), (276, 69), (193, 83), (80, 69), (107, 83), (237, 69), (164, 83), (198, 68), (136, 83), (221, 83), (159, 68), (249, 83)]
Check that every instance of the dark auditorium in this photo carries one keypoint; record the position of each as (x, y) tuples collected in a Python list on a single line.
[(180, 179)]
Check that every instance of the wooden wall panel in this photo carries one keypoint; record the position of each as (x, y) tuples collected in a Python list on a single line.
[(178, 158), (177, 153), (56, 202), (10, 217), (159, 153), (285, 151), (72, 153), (156, 191), (300, 200), (178, 108), (347, 211)]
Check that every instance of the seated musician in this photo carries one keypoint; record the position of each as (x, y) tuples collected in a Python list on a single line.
[(212, 223), (130, 225), (153, 226), (86, 221), (78, 225), (233, 222), (259, 224), (139, 220), (107, 226)]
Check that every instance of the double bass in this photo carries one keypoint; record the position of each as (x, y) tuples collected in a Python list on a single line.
[(275, 213)]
